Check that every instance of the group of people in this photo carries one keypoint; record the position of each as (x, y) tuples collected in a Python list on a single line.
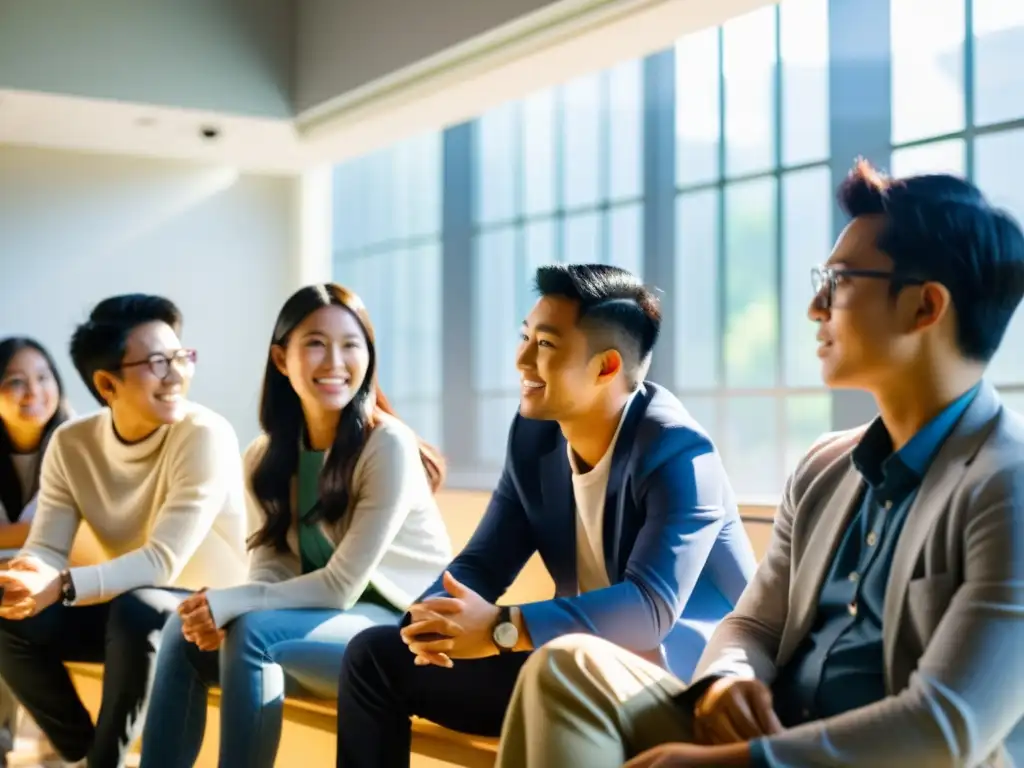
[(883, 627)]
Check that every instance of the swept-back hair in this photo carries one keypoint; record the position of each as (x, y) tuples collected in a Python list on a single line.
[(616, 310)]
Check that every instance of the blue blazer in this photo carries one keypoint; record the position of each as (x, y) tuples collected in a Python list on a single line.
[(674, 545)]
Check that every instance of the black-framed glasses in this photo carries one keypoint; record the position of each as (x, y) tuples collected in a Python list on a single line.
[(824, 280), (184, 360)]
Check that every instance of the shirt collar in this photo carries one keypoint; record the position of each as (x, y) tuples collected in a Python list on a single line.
[(874, 457)]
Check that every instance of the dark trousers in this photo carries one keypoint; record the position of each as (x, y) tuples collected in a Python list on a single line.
[(381, 688), (122, 635)]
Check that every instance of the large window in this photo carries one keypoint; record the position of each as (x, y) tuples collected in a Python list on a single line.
[(753, 215), (759, 140), (958, 106), (387, 247), (558, 177)]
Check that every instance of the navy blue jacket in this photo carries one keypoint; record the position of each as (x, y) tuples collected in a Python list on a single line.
[(675, 549)]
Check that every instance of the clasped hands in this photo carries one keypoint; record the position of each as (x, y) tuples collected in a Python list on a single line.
[(729, 714), (30, 586), (456, 627), (197, 624)]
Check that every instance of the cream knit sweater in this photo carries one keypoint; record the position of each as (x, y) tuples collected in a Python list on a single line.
[(168, 510)]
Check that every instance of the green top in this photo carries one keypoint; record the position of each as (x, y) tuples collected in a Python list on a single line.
[(314, 548)]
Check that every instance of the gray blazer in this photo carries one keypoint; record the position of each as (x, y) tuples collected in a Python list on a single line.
[(953, 620)]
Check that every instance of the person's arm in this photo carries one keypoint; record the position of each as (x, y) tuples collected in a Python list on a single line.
[(54, 513), (684, 498), (746, 642), (203, 473), (499, 547), (391, 470), (965, 696)]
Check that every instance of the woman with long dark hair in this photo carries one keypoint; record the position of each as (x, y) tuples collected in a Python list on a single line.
[(345, 534), (32, 406)]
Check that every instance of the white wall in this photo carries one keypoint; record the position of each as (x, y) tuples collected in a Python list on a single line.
[(75, 229), (224, 55)]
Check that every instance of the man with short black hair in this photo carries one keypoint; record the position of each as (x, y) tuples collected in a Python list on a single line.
[(885, 625), (158, 481), (612, 482)]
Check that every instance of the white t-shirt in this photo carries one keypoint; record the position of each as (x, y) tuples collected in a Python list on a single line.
[(589, 491)]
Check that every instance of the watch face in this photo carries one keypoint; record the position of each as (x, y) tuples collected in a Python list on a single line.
[(506, 635)]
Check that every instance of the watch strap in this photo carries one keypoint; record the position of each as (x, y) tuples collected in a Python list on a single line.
[(68, 594)]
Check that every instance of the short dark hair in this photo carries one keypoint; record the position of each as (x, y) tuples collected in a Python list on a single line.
[(617, 311), (98, 344), (941, 228)]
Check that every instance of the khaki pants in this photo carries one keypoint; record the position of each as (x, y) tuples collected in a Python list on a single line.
[(582, 701)]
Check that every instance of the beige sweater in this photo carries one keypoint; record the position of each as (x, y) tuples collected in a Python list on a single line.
[(393, 537), (166, 511)]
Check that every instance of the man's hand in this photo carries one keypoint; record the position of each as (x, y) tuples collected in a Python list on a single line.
[(691, 756), (733, 710), (197, 624), (456, 627), (30, 586)]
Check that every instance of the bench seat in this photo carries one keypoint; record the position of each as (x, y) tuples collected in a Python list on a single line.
[(309, 731), (310, 726)]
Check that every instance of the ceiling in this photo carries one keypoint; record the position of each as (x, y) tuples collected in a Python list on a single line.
[(454, 85)]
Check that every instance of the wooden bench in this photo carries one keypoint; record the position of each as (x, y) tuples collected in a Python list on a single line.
[(308, 736)]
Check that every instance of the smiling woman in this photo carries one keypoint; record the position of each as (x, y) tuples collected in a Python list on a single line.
[(32, 406), (344, 534)]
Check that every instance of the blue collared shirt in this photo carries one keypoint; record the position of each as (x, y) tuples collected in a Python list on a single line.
[(839, 666)]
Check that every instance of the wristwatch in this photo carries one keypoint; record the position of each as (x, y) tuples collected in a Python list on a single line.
[(505, 634), (67, 588)]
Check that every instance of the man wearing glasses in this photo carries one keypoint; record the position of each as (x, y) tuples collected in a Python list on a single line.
[(158, 480), (885, 625)]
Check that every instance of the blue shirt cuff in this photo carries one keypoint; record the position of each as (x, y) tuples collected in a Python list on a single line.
[(759, 754)]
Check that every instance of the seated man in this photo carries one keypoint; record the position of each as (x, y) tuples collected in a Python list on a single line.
[(885, 626), (158, 480), (616, 486)]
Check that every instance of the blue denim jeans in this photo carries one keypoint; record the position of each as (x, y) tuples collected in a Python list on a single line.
[(265, 655)]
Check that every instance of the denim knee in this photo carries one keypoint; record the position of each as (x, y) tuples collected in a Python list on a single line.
[(172, 640), (248, 634)]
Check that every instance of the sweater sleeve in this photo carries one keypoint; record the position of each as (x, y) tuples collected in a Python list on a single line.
[(56, 516), (391, 469), (203, 464), (266, 564)]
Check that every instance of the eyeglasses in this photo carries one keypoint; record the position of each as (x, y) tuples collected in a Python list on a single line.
[(825, 279), (184, 360)]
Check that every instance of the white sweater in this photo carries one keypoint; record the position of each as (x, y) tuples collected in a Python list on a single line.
[(392, 537), (167, 510)]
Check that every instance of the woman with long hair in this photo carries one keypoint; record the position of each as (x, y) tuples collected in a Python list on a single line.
[(345, 534), (32, 406)]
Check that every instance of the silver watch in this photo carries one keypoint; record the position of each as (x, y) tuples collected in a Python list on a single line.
[(505, 634)]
